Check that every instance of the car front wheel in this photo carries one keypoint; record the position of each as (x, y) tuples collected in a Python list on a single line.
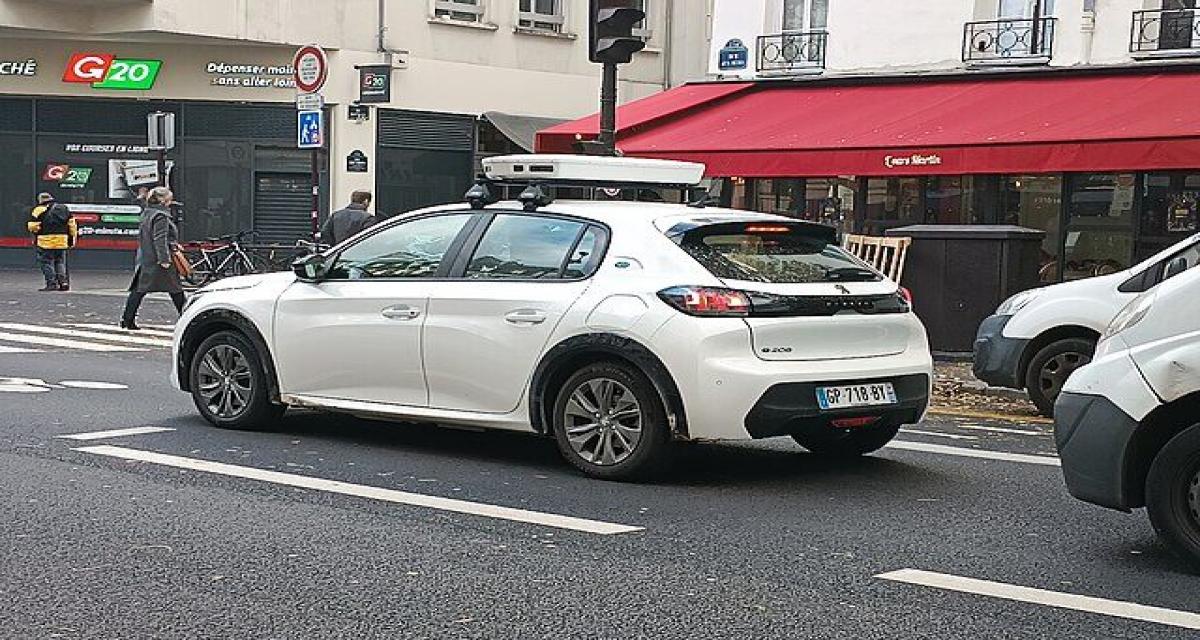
[(610, 423), (1173, 495), (1051, 366), (229, 383)]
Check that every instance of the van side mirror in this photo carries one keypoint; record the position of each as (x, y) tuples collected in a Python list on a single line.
[(311, 268)]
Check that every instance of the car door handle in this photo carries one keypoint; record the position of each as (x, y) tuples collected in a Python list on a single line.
[(401, 312), (525, 316)]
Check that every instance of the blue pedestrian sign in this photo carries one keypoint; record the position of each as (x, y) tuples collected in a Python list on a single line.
[(734, 55), (310, 129)]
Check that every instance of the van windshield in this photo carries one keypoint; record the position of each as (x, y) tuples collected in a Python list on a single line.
[(775, 253)]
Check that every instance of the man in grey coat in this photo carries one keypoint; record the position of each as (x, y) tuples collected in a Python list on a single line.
[(346, 222)]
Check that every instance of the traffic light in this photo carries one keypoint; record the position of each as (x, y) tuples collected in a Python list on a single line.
[(611, 24)]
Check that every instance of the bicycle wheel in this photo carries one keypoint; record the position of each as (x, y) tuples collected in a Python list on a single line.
[(248, 263), (201, 270)]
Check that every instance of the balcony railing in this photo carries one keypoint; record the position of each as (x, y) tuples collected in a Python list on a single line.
[(1171, 31), (792, 52), (1015, 40)]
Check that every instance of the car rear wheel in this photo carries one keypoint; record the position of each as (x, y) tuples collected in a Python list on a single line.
[(1051, 366), (847, 443), (1173, 495), (610, 423), (229, 384)]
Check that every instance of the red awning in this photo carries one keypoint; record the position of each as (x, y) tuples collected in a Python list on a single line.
[(1032, 124), (560, 138)]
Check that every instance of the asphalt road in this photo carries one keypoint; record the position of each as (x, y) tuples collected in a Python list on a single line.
[(311, 531)]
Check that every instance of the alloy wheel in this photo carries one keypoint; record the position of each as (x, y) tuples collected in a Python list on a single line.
[(603, 421), (1057, 369), (1194, 497), (225, 381)]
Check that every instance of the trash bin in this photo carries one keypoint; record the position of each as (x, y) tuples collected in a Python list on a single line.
[(959, 274)]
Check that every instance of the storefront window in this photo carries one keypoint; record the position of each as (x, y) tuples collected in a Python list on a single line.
[(216, 188), (826, 200), (1169, 211), (1099, 234), (17, 191), (1035, 202), (891, 203)]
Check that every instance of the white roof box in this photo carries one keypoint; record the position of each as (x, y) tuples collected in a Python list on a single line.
[(591, 169)]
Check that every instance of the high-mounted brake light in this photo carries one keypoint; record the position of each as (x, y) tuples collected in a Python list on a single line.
[(762, 228), (707, 301)]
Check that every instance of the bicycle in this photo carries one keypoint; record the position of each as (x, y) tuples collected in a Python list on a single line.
[(220, 257)]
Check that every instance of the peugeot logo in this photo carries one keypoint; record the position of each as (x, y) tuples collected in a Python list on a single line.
[(842, 289)]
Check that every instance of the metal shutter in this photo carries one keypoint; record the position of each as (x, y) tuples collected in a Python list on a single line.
[(282, 207), (240, 121), (421, 130)]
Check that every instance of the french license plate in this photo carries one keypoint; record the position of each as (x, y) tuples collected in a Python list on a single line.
[(856, 395)]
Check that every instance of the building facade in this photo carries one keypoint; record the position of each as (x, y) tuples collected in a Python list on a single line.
[(1065, 116), (468, 78)]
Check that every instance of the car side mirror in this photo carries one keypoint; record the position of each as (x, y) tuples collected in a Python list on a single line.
[(311, 268)]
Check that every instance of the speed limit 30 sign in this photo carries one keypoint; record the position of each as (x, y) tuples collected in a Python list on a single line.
[(310, 68)]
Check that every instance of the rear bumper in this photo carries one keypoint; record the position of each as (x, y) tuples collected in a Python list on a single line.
[(791, 408), (1093, 436), (998, 358)]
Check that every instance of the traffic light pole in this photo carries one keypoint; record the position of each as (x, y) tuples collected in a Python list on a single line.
[(608, 110)]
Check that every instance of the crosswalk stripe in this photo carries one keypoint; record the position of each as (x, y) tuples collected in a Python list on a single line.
[(46, 341), (118, 336), (142, 331), (4, 349)]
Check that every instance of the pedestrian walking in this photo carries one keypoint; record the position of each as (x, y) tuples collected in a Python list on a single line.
[(55, 232), (158, 238), (346, 222)]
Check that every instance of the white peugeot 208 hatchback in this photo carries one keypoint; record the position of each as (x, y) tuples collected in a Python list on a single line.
[(615, 327)]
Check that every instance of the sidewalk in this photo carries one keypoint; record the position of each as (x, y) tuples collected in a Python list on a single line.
[(956, 391)]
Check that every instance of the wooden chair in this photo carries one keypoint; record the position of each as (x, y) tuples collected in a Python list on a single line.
[(885, 254)]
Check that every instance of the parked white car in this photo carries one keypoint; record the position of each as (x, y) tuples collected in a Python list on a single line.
[(1128, 424), (1037, 338), (614, 326)]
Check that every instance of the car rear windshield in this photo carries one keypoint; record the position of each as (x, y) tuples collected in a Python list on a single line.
[(773, 252)]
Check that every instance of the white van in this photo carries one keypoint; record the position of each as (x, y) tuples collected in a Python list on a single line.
[(1037, 338), (1127, 425)]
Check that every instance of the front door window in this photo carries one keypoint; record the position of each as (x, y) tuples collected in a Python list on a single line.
[(414, 249)]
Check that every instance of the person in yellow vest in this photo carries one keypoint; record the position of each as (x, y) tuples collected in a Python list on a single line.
[(55, 232)]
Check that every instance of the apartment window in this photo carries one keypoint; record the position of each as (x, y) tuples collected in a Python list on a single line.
[(1024, 8), (642, 29), (805, 15), (460, 10), (541, 15)]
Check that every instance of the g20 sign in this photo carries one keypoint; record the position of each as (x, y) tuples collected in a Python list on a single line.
[(106, 71)]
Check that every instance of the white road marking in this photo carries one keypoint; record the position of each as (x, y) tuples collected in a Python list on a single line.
[(63, 344), (973, 453), (114, 433), (1019, 432), (1103, 606), (142, 331), (4, 349), (94, 384), (365, 491), (118, 335), (952, 436)]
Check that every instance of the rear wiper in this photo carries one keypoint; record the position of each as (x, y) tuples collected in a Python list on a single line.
[(851, 274)]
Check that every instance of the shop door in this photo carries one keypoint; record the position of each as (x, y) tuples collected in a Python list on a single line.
[(282, 207)]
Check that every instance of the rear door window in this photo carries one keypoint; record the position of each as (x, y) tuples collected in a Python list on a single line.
[(517, 247), (775, 253)]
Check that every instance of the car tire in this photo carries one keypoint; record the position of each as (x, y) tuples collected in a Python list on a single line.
[(1051, 366), (229, 384), (1173, 495), (847, 443), (631, 438)]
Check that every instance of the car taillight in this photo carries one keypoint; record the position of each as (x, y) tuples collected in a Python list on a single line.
[(707, 301), (906, 296)]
